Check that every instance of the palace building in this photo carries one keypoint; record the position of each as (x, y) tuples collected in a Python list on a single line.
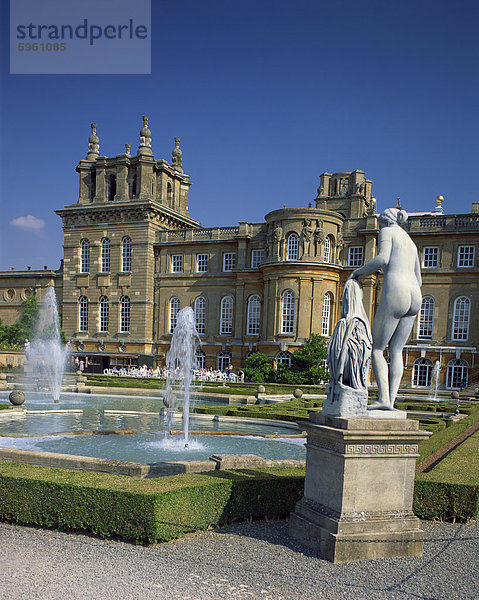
[(133, 257)]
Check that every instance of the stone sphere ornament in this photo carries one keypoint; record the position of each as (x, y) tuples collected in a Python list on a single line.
[(17, 397), (297, 393), (261, 389)]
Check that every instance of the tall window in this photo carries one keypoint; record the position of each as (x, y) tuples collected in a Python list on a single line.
[(124, 314), (465, 256), (200, 315), (84, 256), (355, 256), (229, 261), (104, 314), (200, 357), (105, 255), (430, 257), (226, 316), (456, 374), (177, 263), (92, 186), (126, 255), (293, 245), (201, 263), (327, 249), (174, 310), (426, 318), (83, 314), (283, 358), (257, 258), (325, 314), (460, 319), (223, 360), (253, 316), (169, 193), (288, 312), (422, 373)]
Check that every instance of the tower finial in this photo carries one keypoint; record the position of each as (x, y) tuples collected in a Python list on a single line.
[(398, 204), (177, 154), (93, 144), (127, 149), (145, 138)]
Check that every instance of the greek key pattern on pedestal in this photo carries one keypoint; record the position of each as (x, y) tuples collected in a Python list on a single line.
[(380, 449)]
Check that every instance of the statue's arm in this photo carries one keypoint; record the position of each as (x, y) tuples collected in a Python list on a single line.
[(379, 261)]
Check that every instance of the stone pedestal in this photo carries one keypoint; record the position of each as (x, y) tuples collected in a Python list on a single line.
[(359, 487)]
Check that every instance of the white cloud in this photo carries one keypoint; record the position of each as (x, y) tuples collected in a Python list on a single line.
[(29, 223)]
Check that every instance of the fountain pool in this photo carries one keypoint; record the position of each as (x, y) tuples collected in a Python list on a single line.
[(64, 427)]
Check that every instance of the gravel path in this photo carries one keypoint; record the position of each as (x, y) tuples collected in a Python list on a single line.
[(238, 562)]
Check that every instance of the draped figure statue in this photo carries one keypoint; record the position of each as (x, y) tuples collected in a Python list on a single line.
[(349, 354)]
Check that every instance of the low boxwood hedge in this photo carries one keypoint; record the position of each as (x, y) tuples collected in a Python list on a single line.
[(445, 501), (143, 510)]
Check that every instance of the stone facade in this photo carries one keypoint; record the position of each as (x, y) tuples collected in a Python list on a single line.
[(256, 286)]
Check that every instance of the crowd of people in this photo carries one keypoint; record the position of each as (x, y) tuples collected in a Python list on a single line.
[(201, 375)]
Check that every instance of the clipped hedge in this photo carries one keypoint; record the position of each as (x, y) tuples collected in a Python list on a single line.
[(5, 406), (445, 501), (143, 510)]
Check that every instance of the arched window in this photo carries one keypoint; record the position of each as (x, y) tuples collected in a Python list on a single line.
[(200, 315), (84, 256), (422, 373), (111, 187), (288, 311), (105, 255), (126, 255), (174, 310), (456, 374), (253, 315), (200, 358), (460, 319), (426, 318), (124, 314), (293, 245), (326, 314), (283, 358), (327, 249), (226, 316), (83, 314), (223, 360), (104, 314), (169, 194)]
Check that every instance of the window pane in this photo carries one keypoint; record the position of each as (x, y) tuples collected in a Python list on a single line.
[(174, 309), (85, 256), (257, 258), (177, 263), (104, 314), (460, 322), (293, 245), (465, 256), (355, 257), (83, 314), (327, 250), (326, 310), (201, 263), (288, 312), (226, 316), (253, 317), (229, 261), (126, 255), (200, 315), (105, 255), (125, 314), (430, 257), (426, 318)]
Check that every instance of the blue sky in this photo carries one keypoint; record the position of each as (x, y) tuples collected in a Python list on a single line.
[(265, 95)]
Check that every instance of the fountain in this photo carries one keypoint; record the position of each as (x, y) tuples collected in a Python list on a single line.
[(46, 355), (435, 379), (180, 362)]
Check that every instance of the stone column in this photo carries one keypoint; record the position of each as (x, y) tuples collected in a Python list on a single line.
[(359, 487)]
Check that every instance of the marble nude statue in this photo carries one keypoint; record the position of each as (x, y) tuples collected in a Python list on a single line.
[(400, 302)]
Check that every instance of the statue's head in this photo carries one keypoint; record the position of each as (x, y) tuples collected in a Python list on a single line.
[(392, 216)]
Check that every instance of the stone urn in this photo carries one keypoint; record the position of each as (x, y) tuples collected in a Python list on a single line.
[(17, 397)]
